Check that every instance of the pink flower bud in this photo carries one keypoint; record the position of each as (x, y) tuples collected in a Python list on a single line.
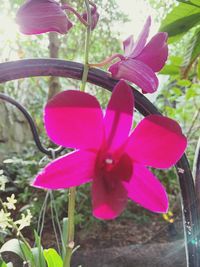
[(95, 17), (40, 16)]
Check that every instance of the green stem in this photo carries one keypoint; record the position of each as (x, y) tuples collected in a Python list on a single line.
[(87, 46), (72, 191), (70, 227)]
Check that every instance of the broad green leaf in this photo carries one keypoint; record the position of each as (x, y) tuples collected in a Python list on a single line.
[(195, 2), (181, 19), (53, 258)]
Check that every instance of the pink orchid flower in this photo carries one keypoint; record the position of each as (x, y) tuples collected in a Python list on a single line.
[(140, 60), (40, 16), (108, 154)]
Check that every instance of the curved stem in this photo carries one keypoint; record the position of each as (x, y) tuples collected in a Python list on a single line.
[(69, 8), (107, 60), (93, 5)]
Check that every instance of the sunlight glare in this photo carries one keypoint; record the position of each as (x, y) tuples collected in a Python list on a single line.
[(8, 29), (137, 11)]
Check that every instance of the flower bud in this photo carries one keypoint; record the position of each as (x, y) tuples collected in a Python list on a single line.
[(40, 16), (95, 17)]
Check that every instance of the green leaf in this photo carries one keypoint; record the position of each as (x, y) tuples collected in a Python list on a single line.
[(190, 2), (170, 70), (64, 236), (195, 2), (181, 19), (198, 69), (173, 66), (2, 263), (192, 49), (28, 254), (53, 258), (40, 250), (184, 82), (191, 93)]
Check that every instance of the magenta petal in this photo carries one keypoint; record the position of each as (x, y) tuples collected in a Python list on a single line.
[(74, 119), (107, 203), (155, 52), (128, 46), (157, 141), (142, 39), (70, 170), (119, 116), (35, 17), (136, 72), (145, 189)]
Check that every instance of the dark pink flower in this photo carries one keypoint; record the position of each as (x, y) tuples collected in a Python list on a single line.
[(95, 17), (40, 16), (108, 154), (141, 60)]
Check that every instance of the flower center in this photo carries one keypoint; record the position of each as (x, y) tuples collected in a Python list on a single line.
[(112, 169), (109, 163)]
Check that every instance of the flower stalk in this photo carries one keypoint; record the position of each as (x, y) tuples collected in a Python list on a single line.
[(70, 231), (87, 46), (72, 190)]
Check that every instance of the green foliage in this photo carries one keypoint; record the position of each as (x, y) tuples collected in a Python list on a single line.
[(190, 2), (173, 66), (180, 20), (198, 70), (36, 256), (2, 263), (52, 258)]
